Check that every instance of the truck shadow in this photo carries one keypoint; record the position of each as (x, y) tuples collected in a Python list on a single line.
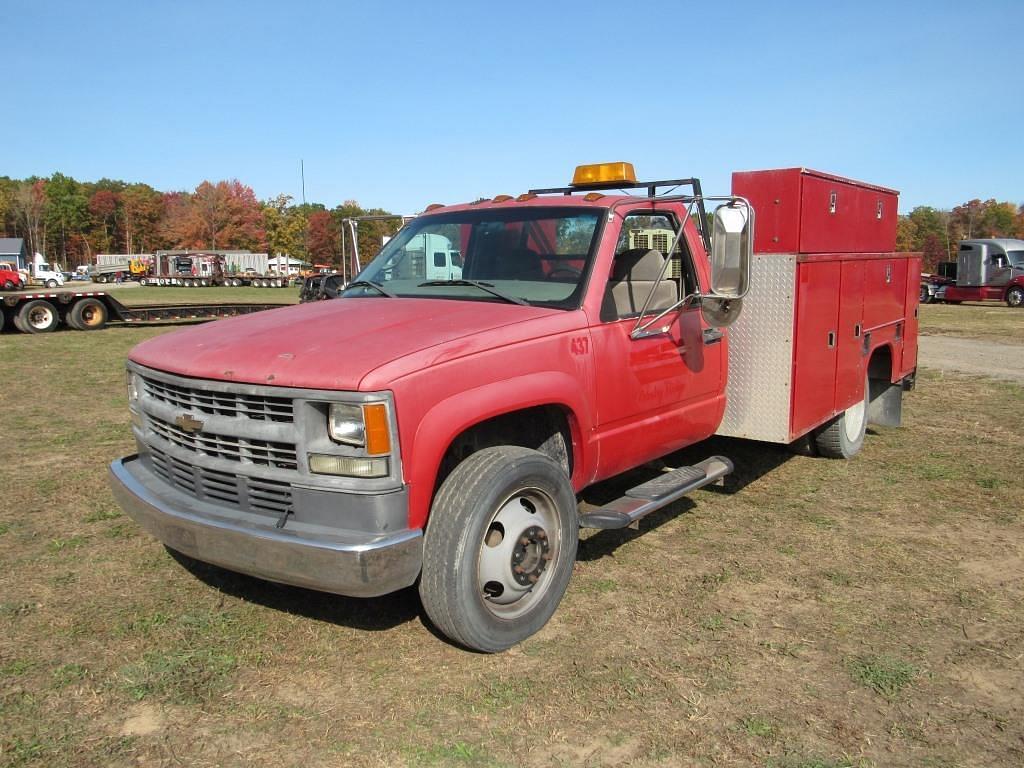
[(752, 460), (371, 614)]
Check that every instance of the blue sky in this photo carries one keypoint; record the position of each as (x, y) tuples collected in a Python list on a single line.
[(399, 105)]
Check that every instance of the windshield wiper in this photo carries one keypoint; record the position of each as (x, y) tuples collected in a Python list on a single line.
[(364, 283), (486, 287)]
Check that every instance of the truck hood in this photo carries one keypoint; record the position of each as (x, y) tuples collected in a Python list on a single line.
[(326, 344)]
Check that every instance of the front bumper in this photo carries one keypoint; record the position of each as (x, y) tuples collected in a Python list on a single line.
[(353, 563)]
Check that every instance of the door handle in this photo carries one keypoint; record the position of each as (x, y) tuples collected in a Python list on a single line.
[(712, 335)]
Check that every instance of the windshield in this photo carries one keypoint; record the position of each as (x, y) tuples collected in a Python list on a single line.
[(526, 255), (1016, 259)]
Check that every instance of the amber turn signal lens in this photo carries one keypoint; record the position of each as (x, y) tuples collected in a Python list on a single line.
[(602, 173), (378, 432)]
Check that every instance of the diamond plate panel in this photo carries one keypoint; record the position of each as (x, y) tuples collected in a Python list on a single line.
[(761, 354)]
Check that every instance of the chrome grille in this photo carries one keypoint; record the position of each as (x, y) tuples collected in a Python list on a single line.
[(257, 407), (249, 493), (249, 450)]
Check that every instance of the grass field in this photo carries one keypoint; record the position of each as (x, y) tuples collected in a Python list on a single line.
[(989, 321), (812, 614)]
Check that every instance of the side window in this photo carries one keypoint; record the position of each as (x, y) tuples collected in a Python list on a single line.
[(658, 231), (439, 260), (635, 274)]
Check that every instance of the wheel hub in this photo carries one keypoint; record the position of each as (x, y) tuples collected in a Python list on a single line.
[(530, 556), (520, 542)]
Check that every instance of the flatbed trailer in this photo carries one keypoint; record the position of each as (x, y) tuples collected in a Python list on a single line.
[(92, 310)]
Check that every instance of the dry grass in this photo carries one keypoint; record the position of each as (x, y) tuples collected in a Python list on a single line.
[(813, 613), (988, 320)]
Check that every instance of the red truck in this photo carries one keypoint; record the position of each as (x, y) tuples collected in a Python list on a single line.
[(437, 432), (985, 270)]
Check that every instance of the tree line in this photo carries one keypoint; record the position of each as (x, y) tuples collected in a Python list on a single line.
[(71, 221), (937, 233)]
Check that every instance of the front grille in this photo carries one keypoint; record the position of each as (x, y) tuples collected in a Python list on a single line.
[(255, 495), (257, 407), (266, 453)]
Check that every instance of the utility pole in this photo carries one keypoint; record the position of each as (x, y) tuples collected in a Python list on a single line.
[(302, 170)]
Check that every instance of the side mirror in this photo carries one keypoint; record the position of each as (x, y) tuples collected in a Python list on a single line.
[(732, 247)]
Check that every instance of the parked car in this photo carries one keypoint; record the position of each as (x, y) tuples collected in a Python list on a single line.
[(11, 280)]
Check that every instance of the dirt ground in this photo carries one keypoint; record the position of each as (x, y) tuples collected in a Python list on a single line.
[(973, 356), (810, 614)]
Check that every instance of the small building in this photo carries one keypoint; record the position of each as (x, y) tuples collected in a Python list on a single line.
[(13, 249)]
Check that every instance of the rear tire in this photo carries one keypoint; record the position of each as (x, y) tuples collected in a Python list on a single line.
[(502, 509), (843, 437), (38, 317), (1015, 297), (88, 315)]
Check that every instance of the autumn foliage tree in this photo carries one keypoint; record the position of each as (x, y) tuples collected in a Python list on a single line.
[(323, 242)]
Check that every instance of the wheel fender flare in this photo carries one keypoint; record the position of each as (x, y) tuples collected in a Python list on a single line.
[(449, 418)]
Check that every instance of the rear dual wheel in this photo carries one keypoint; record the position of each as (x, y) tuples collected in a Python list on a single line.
[(843, 437), (499, 547), (37, 316), (88, 315)]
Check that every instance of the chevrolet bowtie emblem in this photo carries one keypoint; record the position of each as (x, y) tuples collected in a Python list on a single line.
[(188, 423)]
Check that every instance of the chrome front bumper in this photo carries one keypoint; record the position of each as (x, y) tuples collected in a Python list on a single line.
[(359, 565)]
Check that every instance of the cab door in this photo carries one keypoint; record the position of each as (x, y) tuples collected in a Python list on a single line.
[(661, 392)]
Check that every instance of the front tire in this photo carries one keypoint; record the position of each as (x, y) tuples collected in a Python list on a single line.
[(926, 295), (499, 548), (1015, 297), (843, 437)]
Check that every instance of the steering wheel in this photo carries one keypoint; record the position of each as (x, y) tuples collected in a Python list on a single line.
[(566, 272)]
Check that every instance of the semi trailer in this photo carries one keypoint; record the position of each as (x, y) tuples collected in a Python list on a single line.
[(593, 328), (93, 310)]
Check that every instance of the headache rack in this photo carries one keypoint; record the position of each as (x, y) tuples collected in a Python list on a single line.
[(696, 198)]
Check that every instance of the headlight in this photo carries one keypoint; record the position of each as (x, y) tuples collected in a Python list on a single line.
[(345, 424), (134, 387), (364, 426)]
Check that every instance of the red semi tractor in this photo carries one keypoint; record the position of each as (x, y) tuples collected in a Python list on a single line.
[(437, 432)]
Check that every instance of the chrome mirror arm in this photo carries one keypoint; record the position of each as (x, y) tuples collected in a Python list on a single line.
[(642, 330)]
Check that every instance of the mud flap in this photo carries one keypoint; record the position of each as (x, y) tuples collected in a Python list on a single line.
[(885, 403)]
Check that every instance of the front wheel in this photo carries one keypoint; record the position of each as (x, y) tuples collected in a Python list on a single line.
[(499, 548), (926, 296), (1015, 297)]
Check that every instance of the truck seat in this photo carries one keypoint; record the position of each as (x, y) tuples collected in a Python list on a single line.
[(634, 273)]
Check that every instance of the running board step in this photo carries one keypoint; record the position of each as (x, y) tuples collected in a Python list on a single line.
[(657, 493)]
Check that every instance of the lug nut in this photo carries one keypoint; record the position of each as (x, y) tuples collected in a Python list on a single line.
[(517, 569), (548, 556), (533, 578), (525, 540), (541, 535)]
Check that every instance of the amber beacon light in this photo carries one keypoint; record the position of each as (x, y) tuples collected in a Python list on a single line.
[(602, 173)]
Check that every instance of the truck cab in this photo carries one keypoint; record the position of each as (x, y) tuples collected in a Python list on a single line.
[(989, 269), (42, 273)]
